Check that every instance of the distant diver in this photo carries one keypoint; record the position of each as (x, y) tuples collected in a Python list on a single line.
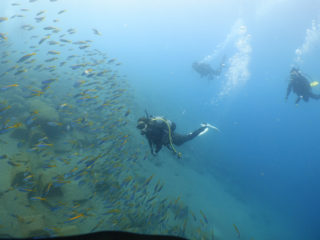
[(161, 132), (300, 85), (205, 70)]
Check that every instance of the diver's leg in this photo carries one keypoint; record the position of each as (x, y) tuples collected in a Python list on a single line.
[(158, 147), (179, 139), (314, 96)]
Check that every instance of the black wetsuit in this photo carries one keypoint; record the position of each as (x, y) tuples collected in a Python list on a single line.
[(300, 86), (205, 70), (157, 134)]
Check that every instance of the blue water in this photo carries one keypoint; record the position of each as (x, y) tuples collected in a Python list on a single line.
[(261, 132), (261, 171)]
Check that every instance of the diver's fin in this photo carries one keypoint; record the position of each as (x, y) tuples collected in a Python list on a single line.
[(147, 114), (208, 125), (204, 131)]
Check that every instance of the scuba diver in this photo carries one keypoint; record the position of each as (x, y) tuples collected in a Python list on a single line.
[(300, 85), (205, 70), (160, 131)]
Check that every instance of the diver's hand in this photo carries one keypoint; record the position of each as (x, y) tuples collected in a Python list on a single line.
[(153, 153)]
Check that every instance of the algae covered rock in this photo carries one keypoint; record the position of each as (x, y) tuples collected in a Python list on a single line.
[(46, 113), (47, 117), (61, 147), (21, 133)]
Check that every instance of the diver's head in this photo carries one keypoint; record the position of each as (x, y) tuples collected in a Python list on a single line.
[(195, 65), (143, 124), (294, 72)]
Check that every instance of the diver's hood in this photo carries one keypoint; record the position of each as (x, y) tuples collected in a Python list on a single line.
[(141, 124)]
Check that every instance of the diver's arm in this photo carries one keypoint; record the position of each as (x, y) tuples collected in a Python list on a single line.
[(298, 99), (150, 145), (289, 89), (314, 96)]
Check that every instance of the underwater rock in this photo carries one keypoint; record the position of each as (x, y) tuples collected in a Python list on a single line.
[(47, 118), (17, 180), (108, 186), (68, 230), (61, 147), (5, 236), (45, 111), (17, 173), (72, 192), (52, 191), (48, 188), (17, 110), (52, 132), (32, 226), (34, 137), (80, 201), (45, 188), (39, 234), (20, 133), (101, 187)]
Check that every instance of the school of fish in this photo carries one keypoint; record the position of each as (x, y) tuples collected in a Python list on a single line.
[(74, 167)]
